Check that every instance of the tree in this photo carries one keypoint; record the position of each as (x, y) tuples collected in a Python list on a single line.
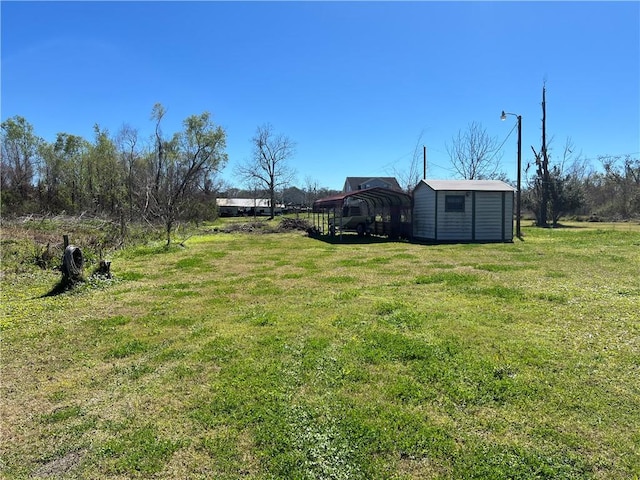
[(106, 177), (268, 168), (51, 184), (311, 187), (129, 153), (20, 161), (541, 184), (618, 188), (60, 181), (185, 164), (72, 152), (294, 196), (408, 179), (158, 162), (566, 194), (473, 153), (566, 179)]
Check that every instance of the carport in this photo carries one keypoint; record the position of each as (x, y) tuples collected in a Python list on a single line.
[(390, 211)]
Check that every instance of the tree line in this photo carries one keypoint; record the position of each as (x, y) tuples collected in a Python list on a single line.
[(123, 177), (171, 178), (163, 179)]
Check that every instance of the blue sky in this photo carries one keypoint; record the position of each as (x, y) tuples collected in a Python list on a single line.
[(354, 84)]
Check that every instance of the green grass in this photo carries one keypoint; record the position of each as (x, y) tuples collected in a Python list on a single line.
[(282, 356)]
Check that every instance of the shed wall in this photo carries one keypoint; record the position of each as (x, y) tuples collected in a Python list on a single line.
[(488, 216), (424, 219), (454, 225), (489, 220)]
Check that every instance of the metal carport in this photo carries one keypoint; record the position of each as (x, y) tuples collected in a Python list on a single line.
[(391, 210)]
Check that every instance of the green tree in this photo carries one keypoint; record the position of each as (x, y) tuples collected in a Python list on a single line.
[(50, 186), (105, 175), (566, 194), (75, 151), (61, 177), (19, 163), (185, 164)]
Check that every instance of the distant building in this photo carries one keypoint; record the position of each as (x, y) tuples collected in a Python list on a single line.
[(352, 184), (463, 211), (235, 207)]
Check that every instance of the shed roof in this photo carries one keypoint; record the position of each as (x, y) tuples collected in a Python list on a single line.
[(375, 196), (468, 185)]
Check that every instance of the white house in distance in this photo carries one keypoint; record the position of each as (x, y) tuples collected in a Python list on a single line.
[(463, 211)]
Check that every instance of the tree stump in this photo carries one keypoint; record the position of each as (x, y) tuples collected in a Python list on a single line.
[(104, 269)]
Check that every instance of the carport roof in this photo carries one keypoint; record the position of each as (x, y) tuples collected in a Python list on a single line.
[(375, 196)]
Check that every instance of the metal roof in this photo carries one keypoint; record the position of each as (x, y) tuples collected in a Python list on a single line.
[(243, 202), (468, 185), (375, 196)]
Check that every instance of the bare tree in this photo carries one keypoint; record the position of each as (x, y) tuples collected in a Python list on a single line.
[(268, 169), (566, 181), (158, 114), (541, 183), (129, 152), (620, 187), (408, 179), (474, 154), (311, 187)]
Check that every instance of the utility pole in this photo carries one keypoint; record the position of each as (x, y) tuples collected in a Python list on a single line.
[(519, 192), (424, 163)]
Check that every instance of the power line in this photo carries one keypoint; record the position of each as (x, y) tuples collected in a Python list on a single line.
[(503, 142)]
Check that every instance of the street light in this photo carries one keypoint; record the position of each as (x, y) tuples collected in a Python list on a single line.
[(519, 117)]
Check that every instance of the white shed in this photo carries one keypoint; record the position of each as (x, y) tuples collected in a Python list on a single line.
[(463, 211)]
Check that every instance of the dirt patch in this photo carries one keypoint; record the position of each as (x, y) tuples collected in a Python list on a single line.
[(60, 466)]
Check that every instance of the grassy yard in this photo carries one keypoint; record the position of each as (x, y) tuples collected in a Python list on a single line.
[(279, 356)]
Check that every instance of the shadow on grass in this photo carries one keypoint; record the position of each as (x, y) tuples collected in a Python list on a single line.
[(59, 288), (354, 239), (563, 226)]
